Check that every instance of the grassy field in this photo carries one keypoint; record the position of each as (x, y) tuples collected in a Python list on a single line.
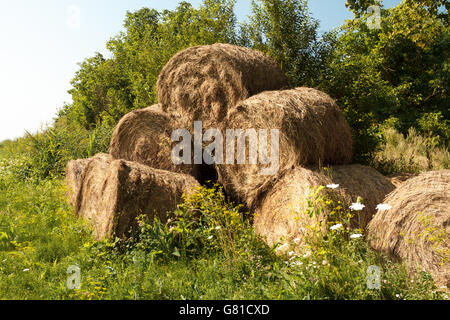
[(216, 257)]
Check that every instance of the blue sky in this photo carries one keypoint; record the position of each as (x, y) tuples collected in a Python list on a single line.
[(42, 42)]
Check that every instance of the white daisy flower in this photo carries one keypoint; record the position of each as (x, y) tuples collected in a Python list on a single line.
[(282, 246), (357, 206), (356, 236), (332, 186), (336, 226), (384, 207)]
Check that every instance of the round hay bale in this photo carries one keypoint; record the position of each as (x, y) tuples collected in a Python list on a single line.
[(115, 192), (74, 172), (312, 131), (144, 136), (365, 182), (202, 82), (281, 212), (417, 227)]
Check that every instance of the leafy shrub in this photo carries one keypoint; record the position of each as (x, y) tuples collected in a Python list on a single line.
[(50, 150)]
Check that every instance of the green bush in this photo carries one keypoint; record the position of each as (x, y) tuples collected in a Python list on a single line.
[(48, 151)]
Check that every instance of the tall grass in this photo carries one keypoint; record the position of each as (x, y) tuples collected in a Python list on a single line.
[(411, 154)]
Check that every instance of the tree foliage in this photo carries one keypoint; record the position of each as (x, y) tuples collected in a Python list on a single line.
[(400, 71)]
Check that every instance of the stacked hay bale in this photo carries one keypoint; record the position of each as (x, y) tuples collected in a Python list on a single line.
[(229, 87), (281, 213), (202, 82), (199, 83), (416, 229), (312, 131), (144, 136), (113, 193), (74, 173)]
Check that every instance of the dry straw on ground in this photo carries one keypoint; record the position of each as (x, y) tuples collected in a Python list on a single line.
[(115, 192), (144, 136), (281, 214), (417, 228), (313, 131), (202, 82)]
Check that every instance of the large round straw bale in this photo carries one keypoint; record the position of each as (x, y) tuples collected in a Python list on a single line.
[(312, 131), (281, 213), (74, 172), (417, 227), (115, 192), (364, 182), (202, 82), (144, 136)]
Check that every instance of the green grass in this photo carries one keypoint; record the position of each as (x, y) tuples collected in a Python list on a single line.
[(215, 256)]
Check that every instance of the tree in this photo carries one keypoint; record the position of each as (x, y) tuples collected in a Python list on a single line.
[(285, 30), (106, 89), (399, 71)]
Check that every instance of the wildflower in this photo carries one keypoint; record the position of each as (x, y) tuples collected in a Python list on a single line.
[(398, 295), (332, 186), (357, 206), (210, 237), (356, 236), (291, 253), (384, 207), (307, 254), (336, 226), (218, 228), (26, 270), (297, 240)]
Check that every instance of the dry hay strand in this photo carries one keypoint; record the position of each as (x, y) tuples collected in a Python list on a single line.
[(417, 227), (144, 136), (202, 82), (281, 214), (74, 172), (398, 179), (115, 192), (313, 131)]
